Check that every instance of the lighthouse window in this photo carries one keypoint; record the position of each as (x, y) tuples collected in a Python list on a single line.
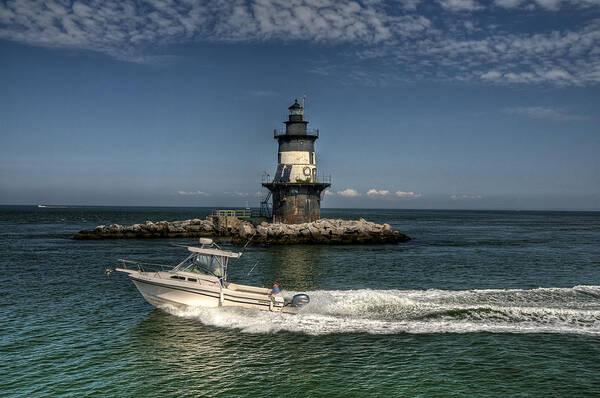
[(279, 157), (312, 158)]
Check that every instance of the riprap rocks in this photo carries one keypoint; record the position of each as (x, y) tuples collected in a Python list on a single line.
[(323, 231)]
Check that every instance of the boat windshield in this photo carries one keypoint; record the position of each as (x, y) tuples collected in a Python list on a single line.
[(204, 264)]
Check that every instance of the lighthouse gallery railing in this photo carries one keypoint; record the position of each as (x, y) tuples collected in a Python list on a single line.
[(309, 132)]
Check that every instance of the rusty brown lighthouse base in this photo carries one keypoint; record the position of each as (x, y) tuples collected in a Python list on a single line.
[(296, 203)]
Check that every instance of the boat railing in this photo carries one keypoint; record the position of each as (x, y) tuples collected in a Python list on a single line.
[(145, 266)]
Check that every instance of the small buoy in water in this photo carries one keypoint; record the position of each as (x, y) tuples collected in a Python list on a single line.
[(108, 271)]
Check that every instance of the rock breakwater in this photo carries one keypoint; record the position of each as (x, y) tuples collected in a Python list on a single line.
[(323, 231)]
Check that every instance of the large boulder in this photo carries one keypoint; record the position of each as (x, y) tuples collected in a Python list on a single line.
[(262, 230), (246, 230)]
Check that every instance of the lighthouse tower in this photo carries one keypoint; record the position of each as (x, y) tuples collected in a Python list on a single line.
[(295, 189)]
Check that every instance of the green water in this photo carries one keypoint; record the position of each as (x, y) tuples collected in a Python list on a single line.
[(478, 304)]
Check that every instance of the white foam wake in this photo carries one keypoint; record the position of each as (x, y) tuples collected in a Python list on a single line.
[(544, 310)]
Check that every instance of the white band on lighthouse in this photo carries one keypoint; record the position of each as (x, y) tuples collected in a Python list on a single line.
[(297, 157), (295, 173)]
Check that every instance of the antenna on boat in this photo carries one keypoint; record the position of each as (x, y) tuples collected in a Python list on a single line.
[(252, 269), (246, 245)]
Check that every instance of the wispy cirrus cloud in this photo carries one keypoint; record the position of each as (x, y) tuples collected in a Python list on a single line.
[(472, 5), (125, 29), (466, 197), (552, 5), (545, 113), (410, 4), (508, 3), (407, 195), (237, 194), (461, 5), (447, 40), (122, 29), (564, 58), (193, 193)]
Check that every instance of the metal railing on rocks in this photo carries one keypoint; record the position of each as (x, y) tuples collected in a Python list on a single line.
[(239, 213)]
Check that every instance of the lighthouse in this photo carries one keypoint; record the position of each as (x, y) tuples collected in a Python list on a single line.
[(295, 189)]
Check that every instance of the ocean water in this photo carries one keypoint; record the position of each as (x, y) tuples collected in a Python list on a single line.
[(480, 303)]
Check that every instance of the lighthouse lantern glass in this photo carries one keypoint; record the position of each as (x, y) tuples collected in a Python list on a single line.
[(297, 111)]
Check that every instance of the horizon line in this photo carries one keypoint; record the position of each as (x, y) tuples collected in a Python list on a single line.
[(323, 208)]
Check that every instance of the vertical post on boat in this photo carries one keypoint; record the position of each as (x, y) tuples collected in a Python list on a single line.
[(224, 261)]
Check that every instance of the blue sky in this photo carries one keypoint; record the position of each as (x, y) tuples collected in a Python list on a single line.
[(466, 104)]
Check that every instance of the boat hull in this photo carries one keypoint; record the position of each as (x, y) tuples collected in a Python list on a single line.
[(161, 292), (160, 295)]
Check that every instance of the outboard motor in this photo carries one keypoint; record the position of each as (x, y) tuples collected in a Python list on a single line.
[(300, 300)]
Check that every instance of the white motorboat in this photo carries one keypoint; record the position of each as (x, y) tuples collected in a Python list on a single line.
[(201, 281)]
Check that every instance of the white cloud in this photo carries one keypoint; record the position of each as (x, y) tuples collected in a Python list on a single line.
[(329, 193), (559, 58), (375, 193), (492, 75), (123, 28), (407, 195), (556, 76), (460, 5), (509, 3), (539, 112), (349, 193), (193, 193), (469, 51), (466, 197), (410, 4), (409, 40), (237, 194), (551, 5)]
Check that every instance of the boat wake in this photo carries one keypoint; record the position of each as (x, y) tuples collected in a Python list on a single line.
[(545, 310)]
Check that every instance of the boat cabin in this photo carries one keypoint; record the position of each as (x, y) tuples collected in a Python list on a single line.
[(207, 261)]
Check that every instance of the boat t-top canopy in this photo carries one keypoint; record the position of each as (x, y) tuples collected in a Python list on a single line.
[(207, 260), (214, 252)]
